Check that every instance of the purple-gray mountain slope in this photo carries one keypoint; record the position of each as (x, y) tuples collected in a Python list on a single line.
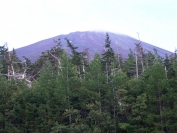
[(92, 40)]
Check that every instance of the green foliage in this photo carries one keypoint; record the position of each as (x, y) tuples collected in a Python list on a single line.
[(64, 99), (108, 56), (3, 63), (129, 65)]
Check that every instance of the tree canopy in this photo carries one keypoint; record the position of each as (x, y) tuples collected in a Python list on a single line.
[(66, 93)]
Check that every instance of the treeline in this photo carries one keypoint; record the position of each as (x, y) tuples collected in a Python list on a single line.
[(71, 93)]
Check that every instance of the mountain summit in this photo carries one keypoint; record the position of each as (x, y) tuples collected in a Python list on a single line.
[(94, 41)]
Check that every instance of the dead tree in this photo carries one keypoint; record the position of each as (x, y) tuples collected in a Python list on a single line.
[(12, 73), (118, 56), (139, 54)]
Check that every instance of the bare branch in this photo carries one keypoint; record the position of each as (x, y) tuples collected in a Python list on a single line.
[(35, 74), (59, 63)]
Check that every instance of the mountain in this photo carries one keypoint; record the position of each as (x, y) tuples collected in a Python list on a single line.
[(92, 40)]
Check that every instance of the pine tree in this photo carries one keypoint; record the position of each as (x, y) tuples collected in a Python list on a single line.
[(156, 89), (108, 57), (8, 92), (95, 78), (129, 65), (117, 80), (3, 63)]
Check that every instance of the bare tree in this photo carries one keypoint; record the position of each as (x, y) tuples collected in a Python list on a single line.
[(139, 54), (118, 56), (15, 73)]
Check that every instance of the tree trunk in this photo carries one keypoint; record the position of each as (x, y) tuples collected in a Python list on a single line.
[(68, 97), (107, 72), (160, 111), (136, 64), (118, 57), (142, 63)]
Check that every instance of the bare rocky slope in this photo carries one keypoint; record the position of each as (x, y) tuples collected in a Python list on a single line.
[(92, 40)]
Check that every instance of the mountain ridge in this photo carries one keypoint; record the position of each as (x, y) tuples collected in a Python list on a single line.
[(93, 40)]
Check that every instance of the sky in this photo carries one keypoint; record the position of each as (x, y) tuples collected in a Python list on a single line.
[(24, 22)]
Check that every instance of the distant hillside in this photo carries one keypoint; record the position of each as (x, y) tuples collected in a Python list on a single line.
[(92, 40)]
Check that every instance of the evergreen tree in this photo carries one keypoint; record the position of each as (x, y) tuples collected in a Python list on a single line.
[(8, 92), (129, 65), (77, 58), (3, 63), (156, 89), (70, 97), (108, 57)]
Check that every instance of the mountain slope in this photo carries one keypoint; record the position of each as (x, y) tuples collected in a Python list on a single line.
[(92, 40)]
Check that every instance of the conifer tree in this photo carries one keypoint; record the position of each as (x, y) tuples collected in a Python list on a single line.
[(8, 92), (95, 77), (117, 80), (69, 81), (129, 65), (77, 58), (156, 89), (3, 63), (108, 56)]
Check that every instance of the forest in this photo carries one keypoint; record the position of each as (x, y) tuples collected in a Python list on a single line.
[(70, 92)]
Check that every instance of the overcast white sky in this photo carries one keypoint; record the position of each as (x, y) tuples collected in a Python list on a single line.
[(23, 22)]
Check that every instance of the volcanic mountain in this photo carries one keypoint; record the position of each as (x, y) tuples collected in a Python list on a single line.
[(94, 41)]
